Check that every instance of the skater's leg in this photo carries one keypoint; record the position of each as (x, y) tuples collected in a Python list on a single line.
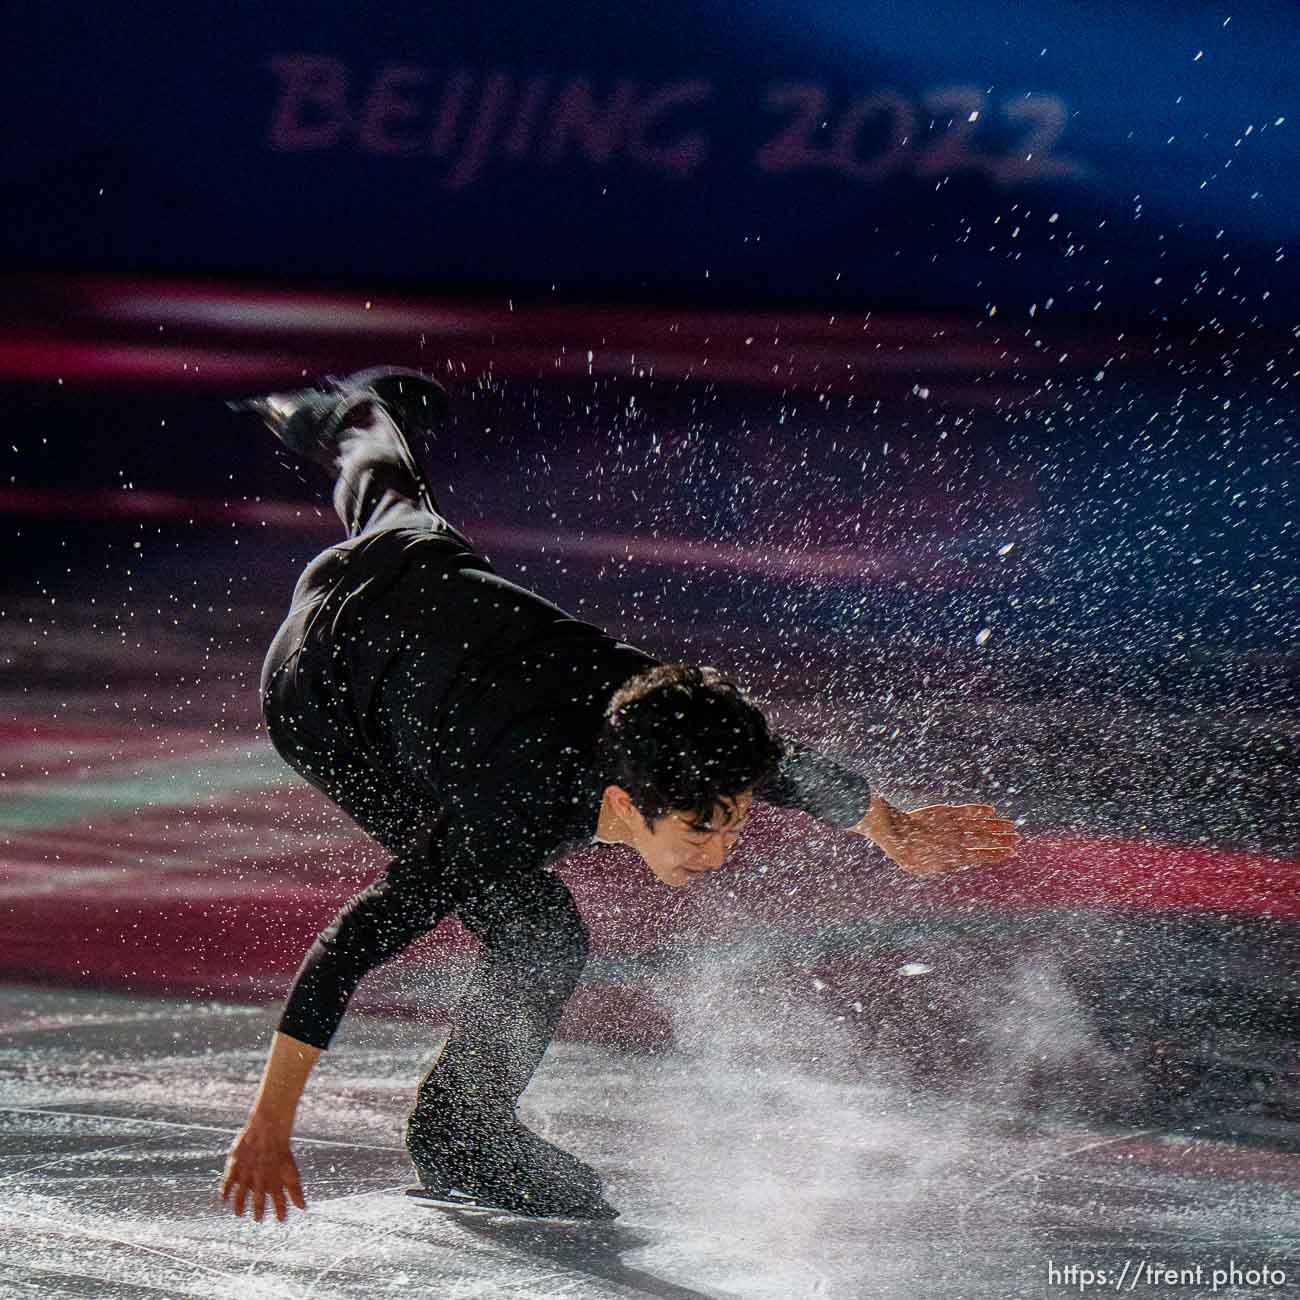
[(378, 484), (356, 429), (534, 946), (463, 1130), (378, 487)]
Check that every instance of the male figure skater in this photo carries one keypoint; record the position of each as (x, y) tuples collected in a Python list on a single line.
[(479, 733)]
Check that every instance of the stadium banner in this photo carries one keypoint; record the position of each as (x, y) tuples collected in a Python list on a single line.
[(1090, 160)]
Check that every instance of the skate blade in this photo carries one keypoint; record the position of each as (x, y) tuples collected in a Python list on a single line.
[(449, 1198)]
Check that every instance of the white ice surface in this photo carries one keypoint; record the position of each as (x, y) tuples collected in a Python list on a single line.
[(735, 1180)]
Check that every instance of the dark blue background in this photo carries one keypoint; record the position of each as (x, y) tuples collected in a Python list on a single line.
[(166, 109)]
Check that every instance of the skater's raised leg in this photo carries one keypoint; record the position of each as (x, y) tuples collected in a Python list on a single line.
[(356, 429)]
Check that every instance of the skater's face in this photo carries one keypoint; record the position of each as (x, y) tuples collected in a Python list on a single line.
[(679, 850)]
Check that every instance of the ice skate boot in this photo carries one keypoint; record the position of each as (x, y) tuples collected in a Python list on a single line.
[(509, 1168), (307, 421), (417, 403), (311, 422)]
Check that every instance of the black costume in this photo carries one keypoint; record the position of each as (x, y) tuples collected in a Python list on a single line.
[(454, 716)]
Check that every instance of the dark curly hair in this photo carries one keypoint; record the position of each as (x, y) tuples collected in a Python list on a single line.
[(685, 739)]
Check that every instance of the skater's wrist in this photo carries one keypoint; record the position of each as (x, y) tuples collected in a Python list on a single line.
[(276, 1103), (875, 822), (283, 1081), (272, 1120)]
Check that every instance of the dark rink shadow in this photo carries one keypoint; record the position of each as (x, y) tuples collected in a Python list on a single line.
[(591, 1248)]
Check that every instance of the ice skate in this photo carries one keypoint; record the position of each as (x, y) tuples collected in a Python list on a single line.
[(416, 402), (512, 1169), (311, 422)]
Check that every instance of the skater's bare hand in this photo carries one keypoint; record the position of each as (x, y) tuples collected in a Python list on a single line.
[(260, 1166), (940, 838)]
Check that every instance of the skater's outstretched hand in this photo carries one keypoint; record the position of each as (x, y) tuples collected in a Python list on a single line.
[(940, 838), (260, 1165)]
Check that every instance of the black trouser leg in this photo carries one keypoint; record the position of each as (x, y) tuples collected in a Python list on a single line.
[(378, 483), (534, 948)]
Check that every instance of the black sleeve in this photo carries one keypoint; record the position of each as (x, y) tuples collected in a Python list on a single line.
[(501, 827), (408, 900), (813, 783)]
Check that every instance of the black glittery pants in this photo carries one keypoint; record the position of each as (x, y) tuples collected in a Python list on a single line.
[(533, 942)]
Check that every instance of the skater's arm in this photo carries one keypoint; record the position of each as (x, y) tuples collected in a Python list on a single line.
[(260, 1164), (373, 927), (376, 925), (283, 1080), (478, 833), (927, 842), (814, 783)]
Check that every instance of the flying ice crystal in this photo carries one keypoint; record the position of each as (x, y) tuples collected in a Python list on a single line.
[(1005, 550), (983, 635), (914, 968)]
